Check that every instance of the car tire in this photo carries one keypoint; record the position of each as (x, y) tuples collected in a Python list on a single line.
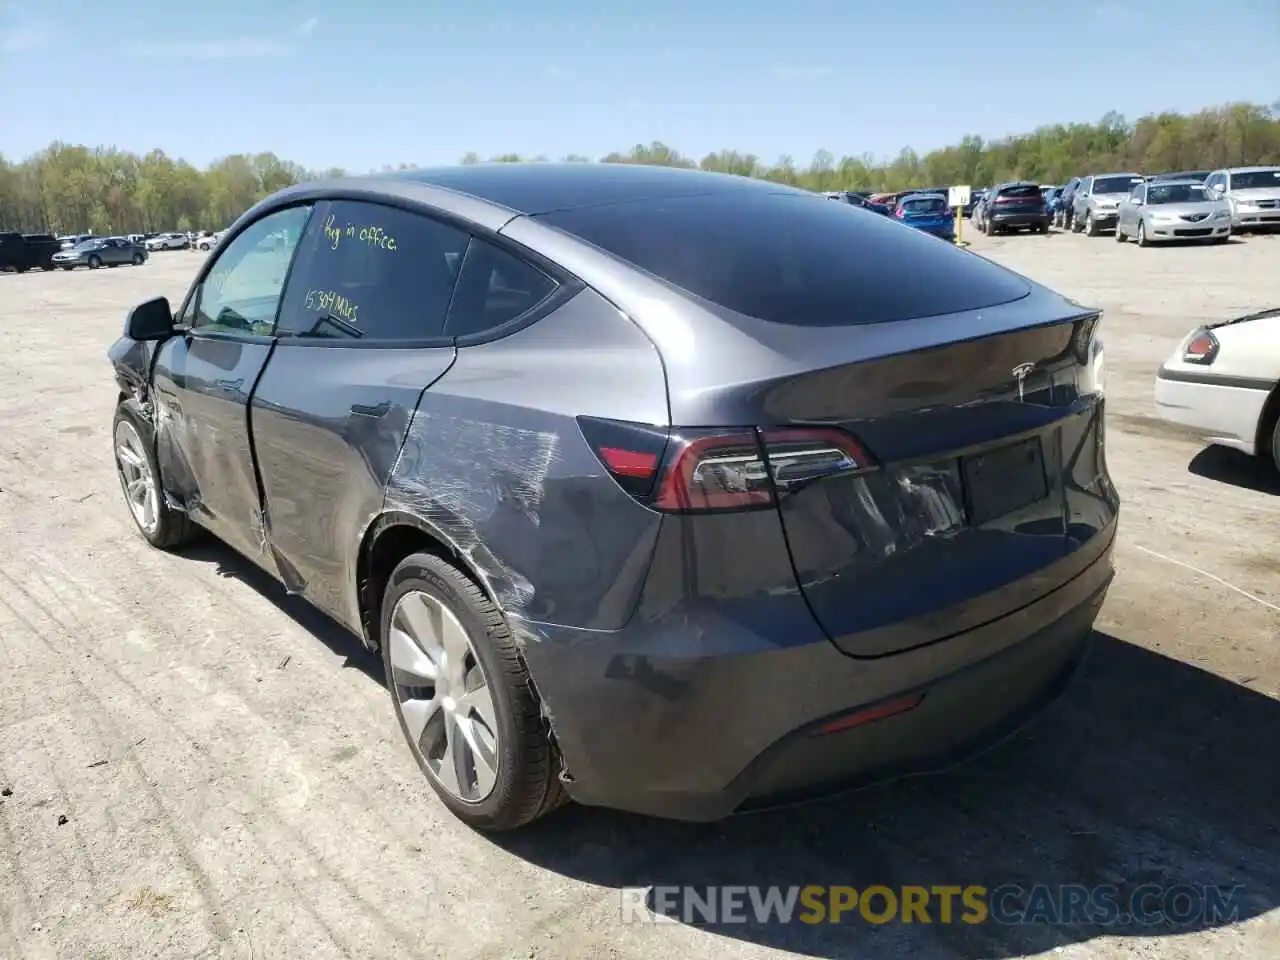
[(138, 259), (1090, 226), (95, 262), (68, 269), (1119, 233), (132, 440), (1141, 238), (484, 662)]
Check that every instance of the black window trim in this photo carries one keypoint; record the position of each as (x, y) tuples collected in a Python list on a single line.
[(567, 285)]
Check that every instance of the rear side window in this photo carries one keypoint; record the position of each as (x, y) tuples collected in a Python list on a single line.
[(370, 271), (494, 288), (793, 259)]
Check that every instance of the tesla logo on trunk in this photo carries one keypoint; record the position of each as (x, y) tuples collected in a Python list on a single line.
[(1020, 373)]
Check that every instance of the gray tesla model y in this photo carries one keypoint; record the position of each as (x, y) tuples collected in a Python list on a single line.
[(661, 490)]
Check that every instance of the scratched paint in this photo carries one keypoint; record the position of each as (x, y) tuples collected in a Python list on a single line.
[(462, 474)]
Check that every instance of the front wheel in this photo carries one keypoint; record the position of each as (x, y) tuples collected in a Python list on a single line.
[(1142, 234), (137, 259), (1090, 227), (159, 525), (463, 697)]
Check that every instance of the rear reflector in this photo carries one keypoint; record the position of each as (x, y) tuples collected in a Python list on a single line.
[(698, 470), (890, 708)]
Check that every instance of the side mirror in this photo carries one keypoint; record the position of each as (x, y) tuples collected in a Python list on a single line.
[(152, 320)]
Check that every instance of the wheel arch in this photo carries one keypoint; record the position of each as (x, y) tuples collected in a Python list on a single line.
[(1267, 424), (392, 536)]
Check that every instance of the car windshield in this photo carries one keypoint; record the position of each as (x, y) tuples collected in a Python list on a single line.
[(924, 205), (1177, 193), (1255, 179), (1115, 184)]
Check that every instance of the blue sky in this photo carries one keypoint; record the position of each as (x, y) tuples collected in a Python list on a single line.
[(357, 85)]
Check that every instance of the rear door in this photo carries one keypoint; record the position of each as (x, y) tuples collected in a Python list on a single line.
[(204, 378), (360, 337)]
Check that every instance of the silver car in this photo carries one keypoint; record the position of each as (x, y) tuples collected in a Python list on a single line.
[(1172, 210), (1097, 201), (1253, 194)]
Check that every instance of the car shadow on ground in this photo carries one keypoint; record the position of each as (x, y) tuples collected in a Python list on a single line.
[(1148, 772), (228, 563), (1149, 777), (1236, 468)]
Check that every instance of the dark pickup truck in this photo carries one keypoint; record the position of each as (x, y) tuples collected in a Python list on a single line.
[(21, 252)]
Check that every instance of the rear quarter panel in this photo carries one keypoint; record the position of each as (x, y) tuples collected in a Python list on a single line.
[(494, 459)]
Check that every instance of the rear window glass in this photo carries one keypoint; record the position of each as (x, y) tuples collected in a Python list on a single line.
[(793, 259), (924, 204), (1028, 191)]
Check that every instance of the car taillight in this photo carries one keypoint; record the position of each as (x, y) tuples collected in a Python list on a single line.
[(698, 470), (1201, 348)]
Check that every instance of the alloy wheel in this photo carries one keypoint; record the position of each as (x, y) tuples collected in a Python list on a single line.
[(136, 477), (443, 696)]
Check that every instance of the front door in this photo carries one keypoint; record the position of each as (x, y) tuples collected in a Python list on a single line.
[(204, 379)]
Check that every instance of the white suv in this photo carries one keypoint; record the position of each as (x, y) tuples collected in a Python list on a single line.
[(1253, 194)]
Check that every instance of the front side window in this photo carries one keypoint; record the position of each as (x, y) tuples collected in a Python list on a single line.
[(241, 292), (373, 272), (495, 287)]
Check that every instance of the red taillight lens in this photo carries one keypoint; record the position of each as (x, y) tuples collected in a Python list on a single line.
[(700, 471), (1202, 348)]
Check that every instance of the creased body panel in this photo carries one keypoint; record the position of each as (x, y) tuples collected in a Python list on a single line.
[(495, 460), (328, 425)]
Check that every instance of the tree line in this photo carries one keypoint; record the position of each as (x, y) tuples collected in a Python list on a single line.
[(67, 188)]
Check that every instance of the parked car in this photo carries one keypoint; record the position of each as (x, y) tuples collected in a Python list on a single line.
[(1161, 210), (928, 212), (1050, 197), (490, 475), (102, 252), (1198, 175), (1016, 205), (1096, 202), (208, 241), (1253, 194), (169, 241), (975, 196), (1221, 382), (1064, 204), (21, 252), (69, 240)]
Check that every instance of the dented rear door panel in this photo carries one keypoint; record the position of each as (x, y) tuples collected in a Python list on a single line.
[(328, 424)]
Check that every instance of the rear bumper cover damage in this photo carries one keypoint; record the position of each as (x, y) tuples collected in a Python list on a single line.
[(649, 722)]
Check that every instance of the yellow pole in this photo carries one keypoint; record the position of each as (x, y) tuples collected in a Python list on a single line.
[(959, 226)]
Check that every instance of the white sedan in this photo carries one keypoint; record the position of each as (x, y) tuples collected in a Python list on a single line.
[(1222, 382)]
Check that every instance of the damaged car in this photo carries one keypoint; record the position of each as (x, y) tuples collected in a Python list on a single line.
[(656, 489)]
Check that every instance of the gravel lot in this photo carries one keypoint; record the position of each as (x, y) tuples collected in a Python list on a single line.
[(200, 767)]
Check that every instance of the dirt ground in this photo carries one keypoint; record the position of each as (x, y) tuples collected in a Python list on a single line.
[(195, 766)]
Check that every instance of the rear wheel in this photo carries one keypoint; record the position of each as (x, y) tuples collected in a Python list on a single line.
[(464, 699), (95, 262), (1119, 233), (1275, 444), (68, 268)]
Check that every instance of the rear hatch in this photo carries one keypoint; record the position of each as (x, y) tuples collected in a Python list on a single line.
[(924, 211), (983, 492), (930, 420), (1020, 199)]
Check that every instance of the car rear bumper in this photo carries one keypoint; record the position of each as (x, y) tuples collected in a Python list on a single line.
[(1018, 219), (1224, 410), (648, 722)]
